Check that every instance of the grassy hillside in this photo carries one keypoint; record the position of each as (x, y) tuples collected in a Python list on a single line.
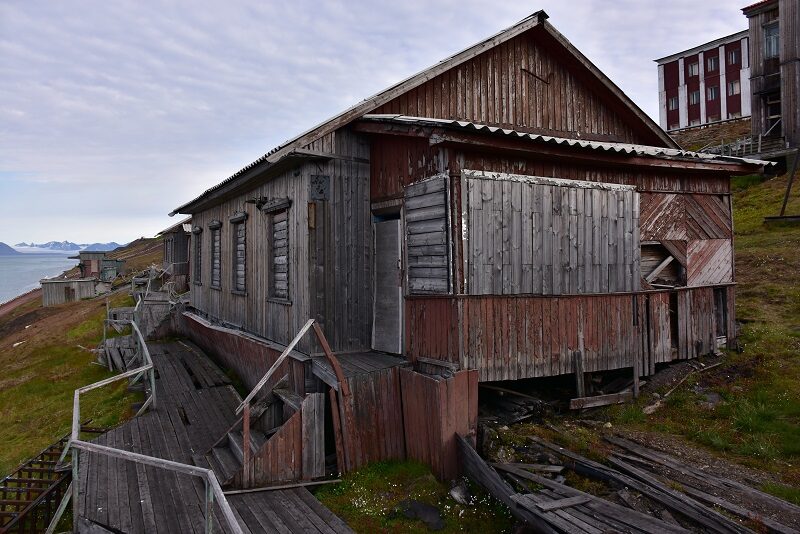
[(758, 421), (44, 357)]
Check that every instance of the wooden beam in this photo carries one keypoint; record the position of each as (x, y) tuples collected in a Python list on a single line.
[(344, 386), (600, 400), (562, 503), (661, 266)]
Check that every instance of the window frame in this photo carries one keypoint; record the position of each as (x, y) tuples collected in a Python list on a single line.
[(215, 227), (712, 93), (238, 221), (691, 94), (197, 256), (772, 40), (712, 63), (272, 209), (694, 69), (672, 99), (737, 84), (734, 56)]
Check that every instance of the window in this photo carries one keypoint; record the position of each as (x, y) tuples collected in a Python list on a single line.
[(198, 254), (733, 57), (734, 88), (694, 98), (216, 254), (771, 41), (734, 114), (694, 69), (712, 92), (713, 63), (239, 252), (672, 103), (168, 250), (278, 233)]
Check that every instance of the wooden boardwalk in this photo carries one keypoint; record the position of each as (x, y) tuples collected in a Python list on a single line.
[(196, 404)]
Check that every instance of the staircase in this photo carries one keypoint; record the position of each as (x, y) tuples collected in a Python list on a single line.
[(30, 495), (274, 430)]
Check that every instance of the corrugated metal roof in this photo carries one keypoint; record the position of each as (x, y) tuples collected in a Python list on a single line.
[(175, 226), (616, 148)]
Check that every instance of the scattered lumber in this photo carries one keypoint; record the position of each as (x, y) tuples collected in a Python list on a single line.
[(673, 500), (511, 406)]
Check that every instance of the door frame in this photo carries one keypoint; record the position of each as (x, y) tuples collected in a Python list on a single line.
[(377, 217)]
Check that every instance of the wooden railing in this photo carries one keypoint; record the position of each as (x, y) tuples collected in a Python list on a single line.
[(213, 488), (245, 406)]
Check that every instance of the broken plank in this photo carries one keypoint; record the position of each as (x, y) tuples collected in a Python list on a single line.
[(558, 504)]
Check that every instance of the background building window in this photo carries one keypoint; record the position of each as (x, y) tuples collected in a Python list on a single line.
[(771, 40), (733, 57), (694, 69), (216, 255), (713, 63), (713, 92), (694, 97), (734, 88), (672, 103)]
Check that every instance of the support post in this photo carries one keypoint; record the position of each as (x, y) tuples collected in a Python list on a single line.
[(580, 385), (76, 480), (153, 386), (789, 184), (209, 508), (246, 446)]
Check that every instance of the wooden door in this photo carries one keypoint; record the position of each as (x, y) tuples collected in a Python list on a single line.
[(388, 294)]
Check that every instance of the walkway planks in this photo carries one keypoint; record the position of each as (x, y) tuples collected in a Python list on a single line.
[(195, 406)]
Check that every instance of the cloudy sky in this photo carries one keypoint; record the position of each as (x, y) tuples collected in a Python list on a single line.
[(112, 113)]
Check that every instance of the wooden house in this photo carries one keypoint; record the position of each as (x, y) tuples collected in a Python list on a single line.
[(96, 264), (508, 213), (176, 253), (775, 72)]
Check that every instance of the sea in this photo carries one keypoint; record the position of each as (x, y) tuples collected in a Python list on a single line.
[(21, 272)]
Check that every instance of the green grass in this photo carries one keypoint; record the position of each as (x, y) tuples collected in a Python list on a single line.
[(41, 375), (758, 422), (367, 500)]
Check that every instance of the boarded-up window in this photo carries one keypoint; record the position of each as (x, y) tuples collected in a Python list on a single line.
[(532, 235), (239, 252), (216, 255), (426, 236), (279, 278), (168, 244), (198, 254)]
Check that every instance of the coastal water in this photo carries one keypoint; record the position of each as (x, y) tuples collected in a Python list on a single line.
[(21, 272)]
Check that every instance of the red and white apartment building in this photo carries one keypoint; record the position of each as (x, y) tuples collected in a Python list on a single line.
[(705, 84)]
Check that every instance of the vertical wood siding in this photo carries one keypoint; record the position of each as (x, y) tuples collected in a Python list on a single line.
[(432, 440), (521, 84), (527, 236), (510, 338)]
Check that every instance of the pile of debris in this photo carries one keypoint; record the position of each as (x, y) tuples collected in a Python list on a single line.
[(647, 491)]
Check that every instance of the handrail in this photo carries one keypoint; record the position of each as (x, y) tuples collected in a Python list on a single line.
[(777, 122), (275, 366)]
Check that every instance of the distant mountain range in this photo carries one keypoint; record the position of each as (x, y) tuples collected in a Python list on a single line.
[(5, 250), (68, 246)]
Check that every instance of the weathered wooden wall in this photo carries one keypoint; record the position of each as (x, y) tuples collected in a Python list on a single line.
[(548, 236), (790, 69), (53, 292), (371, 419), (526, 83), (435, 409), (515, 337), (281, 458)]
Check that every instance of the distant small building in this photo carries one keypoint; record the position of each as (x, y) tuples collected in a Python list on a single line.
[(176, 253), (705, 84), (59, 290), (95, 264)]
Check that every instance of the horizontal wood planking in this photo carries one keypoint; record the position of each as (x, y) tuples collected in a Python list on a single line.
[(523, 84), (426, 236), (515, 337), (432, 440), (526, 237)]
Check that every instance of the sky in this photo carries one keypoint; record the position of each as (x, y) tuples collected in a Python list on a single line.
[(114, 113)]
